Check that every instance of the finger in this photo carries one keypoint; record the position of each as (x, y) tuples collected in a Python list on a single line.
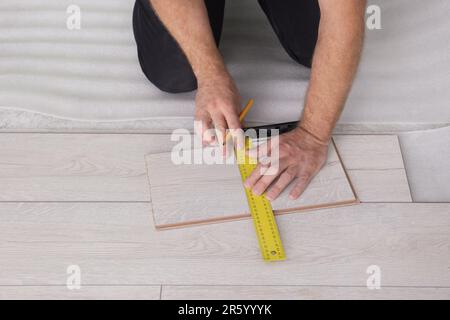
[(220, 126), (255, 176), (300, 185), (262, 149), (233, 120), (263, 183), (234, 131), (238, 138), (235, 138), (203, 128), (283, 181), (274, 149), (252, 153), (261, 152), (209, 136)]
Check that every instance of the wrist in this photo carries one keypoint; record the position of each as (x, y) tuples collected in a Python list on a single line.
[(216, 80), (309, 137), (212, 75)]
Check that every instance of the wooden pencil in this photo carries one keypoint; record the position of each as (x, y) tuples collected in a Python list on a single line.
[(241, 117)]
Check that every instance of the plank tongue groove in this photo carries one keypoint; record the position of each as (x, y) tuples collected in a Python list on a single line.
[(189, 194)]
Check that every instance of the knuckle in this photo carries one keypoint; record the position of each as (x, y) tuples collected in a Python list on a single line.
[(298, 186), (276, 188), (283, 148), (289, 174), (215, 102), (302, 178), (253, 177), (200, 114), (263, 184)]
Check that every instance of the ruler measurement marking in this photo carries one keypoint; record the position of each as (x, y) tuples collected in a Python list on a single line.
[(261, 211)]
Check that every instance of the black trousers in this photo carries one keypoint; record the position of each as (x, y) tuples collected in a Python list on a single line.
[(295, 22)]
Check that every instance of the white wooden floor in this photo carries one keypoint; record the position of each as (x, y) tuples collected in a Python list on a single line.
[(83, 199)]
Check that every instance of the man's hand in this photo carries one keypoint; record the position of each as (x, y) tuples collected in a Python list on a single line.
[(217, 101), (217, 107), (301, 156), (303, 151)]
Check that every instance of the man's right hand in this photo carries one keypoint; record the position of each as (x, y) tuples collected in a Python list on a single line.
[(218, 101), (217, 107)]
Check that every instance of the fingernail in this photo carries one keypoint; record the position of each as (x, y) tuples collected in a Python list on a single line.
[(257, 192), (269, 197)]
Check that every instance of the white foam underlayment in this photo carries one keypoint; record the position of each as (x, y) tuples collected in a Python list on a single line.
[(52, 78), (92, 75)]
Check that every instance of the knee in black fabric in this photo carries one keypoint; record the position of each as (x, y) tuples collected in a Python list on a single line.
[(177, 88), (296, 23), (175, 78), (172, 78), (305, 61), (161, 59), (172, 82)]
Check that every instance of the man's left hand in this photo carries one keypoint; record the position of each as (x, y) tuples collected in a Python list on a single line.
[(301, 156)]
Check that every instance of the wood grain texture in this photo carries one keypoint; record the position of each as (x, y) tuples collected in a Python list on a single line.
[(375, 166), (301, 293), (76, 167), (193, 193), (116, 244), (390, 185), (111, 167), (187, 194), (84, 293), (370, 152)]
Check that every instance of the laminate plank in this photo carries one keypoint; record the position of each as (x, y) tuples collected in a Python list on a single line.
[(76, 167), (111, 167), (116, 244), (190, 194), (390, 185), (375, 166), (369, 152), (84, 293), (301, 293), (39, 222)]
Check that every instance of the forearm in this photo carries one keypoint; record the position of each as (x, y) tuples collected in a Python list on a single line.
[(335, 62), (187, 21)]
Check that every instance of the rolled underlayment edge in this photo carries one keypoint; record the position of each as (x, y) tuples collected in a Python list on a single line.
[(14, 119)]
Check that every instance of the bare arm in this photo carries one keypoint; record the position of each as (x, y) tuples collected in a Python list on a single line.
[(217, 100), (336, 59), (303, 151)]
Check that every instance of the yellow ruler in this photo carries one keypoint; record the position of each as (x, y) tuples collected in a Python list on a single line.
[(261, 211)]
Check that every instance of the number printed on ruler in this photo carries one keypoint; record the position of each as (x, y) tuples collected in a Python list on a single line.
[(262, 214)]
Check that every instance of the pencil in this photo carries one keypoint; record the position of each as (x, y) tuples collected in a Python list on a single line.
[(241, 117), (246, 110)]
